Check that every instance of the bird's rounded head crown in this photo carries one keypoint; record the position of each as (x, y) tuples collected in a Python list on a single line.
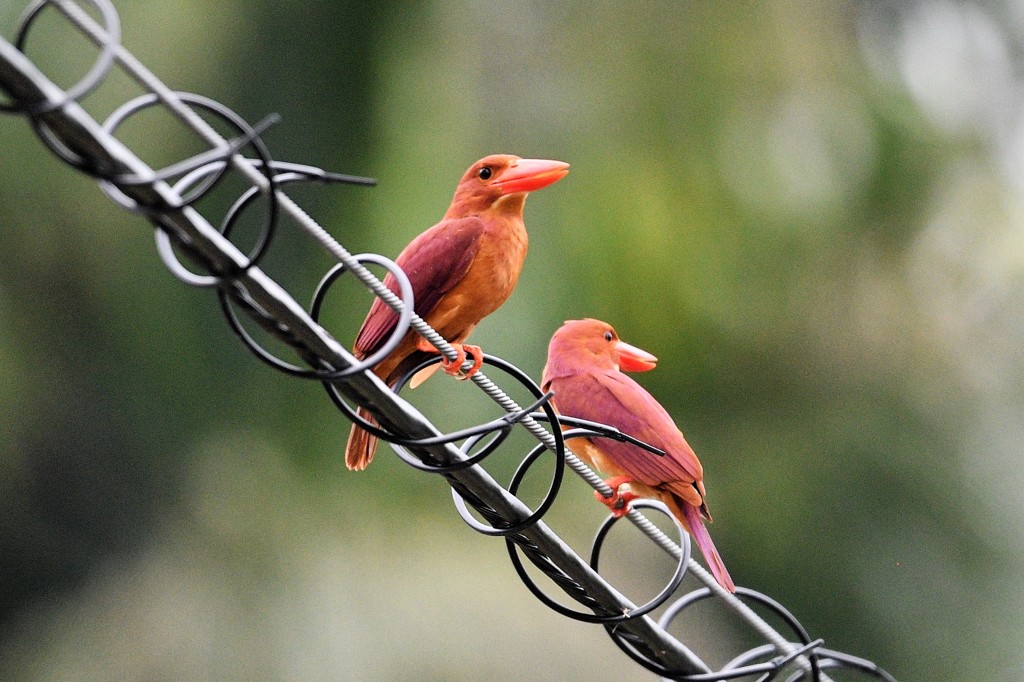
[(593, 344), (502, 180)]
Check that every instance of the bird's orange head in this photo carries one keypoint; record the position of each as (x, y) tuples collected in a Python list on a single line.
[(502, 181), (593, 344)]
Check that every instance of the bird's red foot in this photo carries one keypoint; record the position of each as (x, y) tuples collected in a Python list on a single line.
[(618, 503), (454, 367)]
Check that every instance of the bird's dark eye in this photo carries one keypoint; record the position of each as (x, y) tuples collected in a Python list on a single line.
[(608, 336), (485, 173)]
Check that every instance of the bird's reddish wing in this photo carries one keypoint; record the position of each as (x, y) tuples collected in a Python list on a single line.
[(434, 262), (615, 399)]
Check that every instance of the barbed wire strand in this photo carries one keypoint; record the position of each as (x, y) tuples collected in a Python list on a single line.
[(271, 306)]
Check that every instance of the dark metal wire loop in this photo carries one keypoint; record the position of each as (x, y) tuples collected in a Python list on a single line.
[(500, 426), (378, 431), (608, 619), (214, 172), (270, 224), (315, 174), (684, 558), (498, 429), (372, 428), (744, 665), (92, 79), (212, 157), (740, 666), (750, 595), (284, 173), (596, 429), (830, 659), (165, 248), (325, 375), (404, 292), (100, 68), (517, 479), (589, 429)]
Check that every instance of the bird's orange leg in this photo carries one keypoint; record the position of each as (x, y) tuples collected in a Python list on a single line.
[(618, 503), (454, 367)]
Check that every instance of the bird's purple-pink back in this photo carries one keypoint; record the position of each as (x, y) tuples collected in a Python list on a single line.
[(613, 398)]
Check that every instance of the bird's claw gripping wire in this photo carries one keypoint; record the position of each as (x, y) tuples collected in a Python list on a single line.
[(454, 367), (617, 502)]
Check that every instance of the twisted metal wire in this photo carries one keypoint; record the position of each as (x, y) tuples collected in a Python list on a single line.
[(74, 137)]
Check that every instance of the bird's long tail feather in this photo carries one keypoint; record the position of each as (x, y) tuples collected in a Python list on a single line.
[(361, 445), (692, 519)]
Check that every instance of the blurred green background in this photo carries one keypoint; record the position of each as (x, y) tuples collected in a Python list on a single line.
[(811, 212)]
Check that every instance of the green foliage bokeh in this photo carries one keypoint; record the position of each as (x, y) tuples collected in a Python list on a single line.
[(806, 210)]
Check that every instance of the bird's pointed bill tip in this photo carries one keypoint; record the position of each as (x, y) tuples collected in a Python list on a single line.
[(528, 175), (633, 359)]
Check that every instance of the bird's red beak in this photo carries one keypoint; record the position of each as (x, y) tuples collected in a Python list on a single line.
[(528, 175), (632, 359)]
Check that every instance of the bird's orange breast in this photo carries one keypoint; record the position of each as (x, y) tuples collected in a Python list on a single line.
[(488, 283)]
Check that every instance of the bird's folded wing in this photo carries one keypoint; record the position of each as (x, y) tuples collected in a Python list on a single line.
[(615, 399), (434, 262)]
